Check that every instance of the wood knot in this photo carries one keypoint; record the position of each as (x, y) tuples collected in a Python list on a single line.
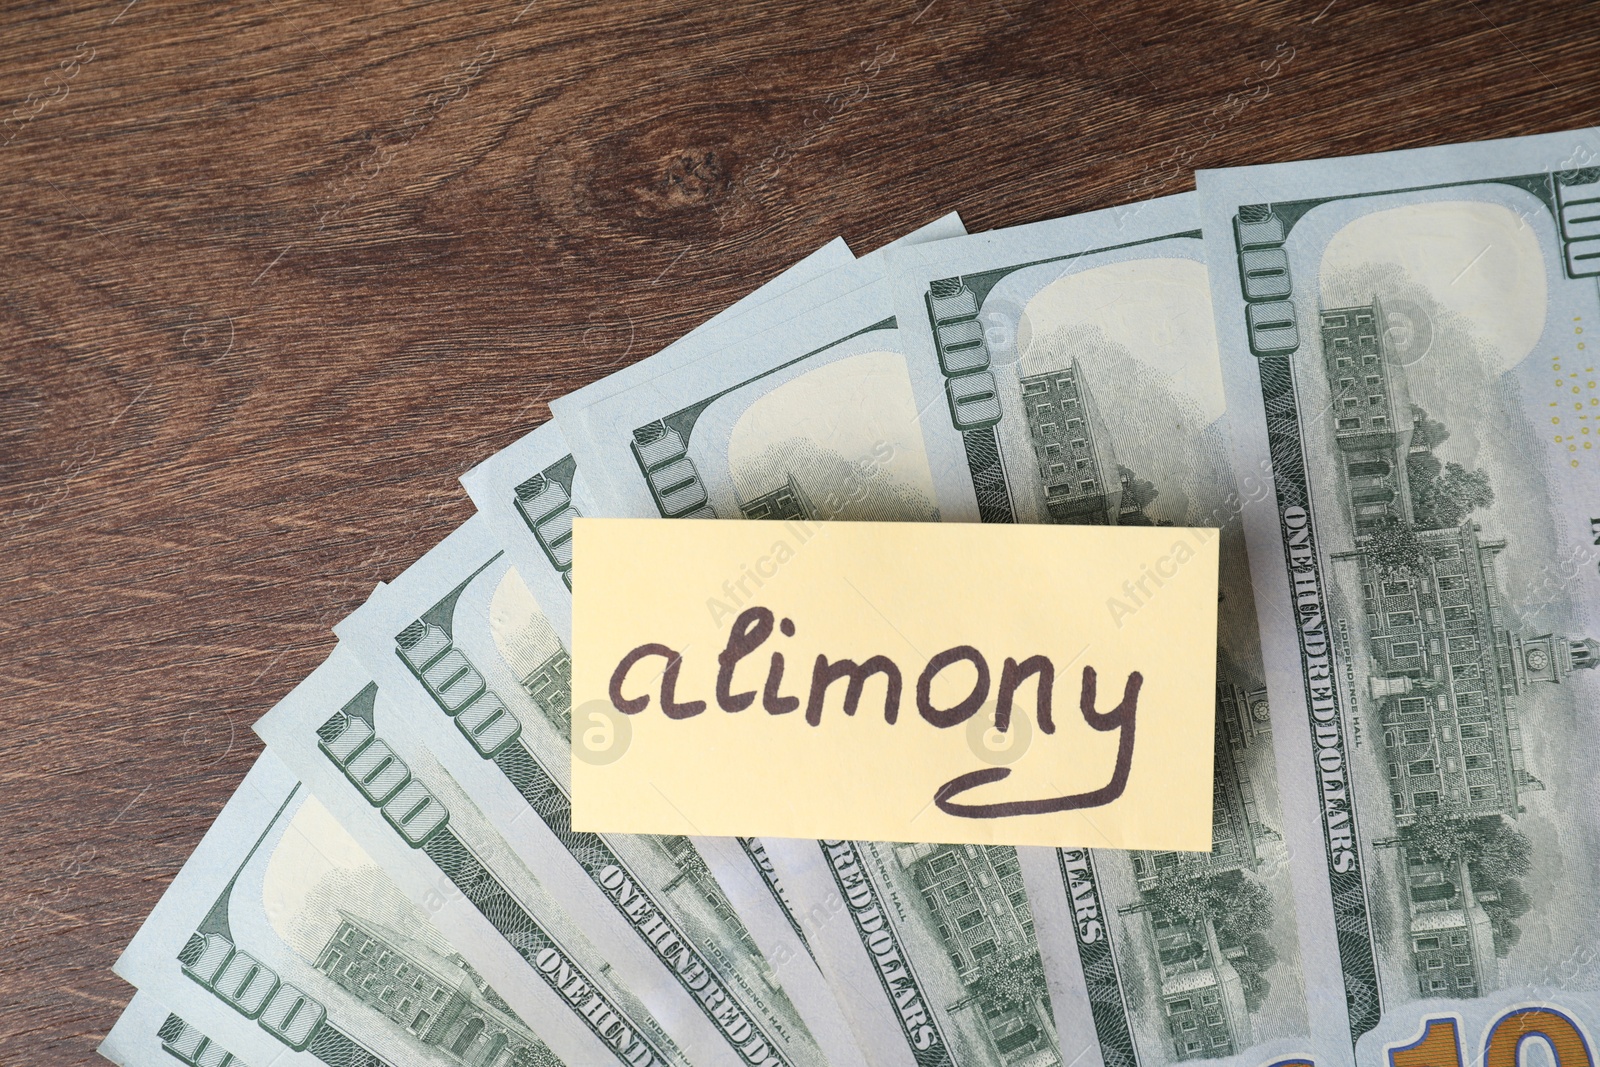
[(695, 177)]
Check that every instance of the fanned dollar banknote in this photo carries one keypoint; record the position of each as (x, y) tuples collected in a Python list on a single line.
[(1405, 346), (487, 483), (1074, 366), (283, 941), (583, 414), (812, 419)]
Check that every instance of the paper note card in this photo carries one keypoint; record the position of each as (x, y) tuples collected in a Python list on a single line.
[(1026, 685)]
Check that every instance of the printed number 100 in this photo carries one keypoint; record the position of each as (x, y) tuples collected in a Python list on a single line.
[(1440, 1046)]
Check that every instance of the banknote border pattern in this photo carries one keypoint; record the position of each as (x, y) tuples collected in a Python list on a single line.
[(551, 522), (1097, 960), (769, 881), (937, 1055)]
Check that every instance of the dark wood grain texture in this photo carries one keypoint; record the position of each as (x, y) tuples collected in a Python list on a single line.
[(274, 273)]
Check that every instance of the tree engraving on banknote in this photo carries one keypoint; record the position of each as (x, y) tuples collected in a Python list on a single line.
[(1195, 931), (1419, 530)]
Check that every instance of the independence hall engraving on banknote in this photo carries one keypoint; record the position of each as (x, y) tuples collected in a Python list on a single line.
[(1236, 827), (1444, 672), (982, 917), (439, 999)]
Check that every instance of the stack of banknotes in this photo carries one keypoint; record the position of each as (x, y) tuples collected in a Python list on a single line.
[(1373, 374)]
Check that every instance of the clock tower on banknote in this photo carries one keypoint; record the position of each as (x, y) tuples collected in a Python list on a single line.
[(1550, 658), (1445, 672)]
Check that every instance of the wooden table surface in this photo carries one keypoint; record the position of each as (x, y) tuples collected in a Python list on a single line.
[(274, 273)]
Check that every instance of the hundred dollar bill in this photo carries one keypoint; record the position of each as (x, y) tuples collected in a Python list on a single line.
[(349, 741), (1404, 340), (1074, 364), (537, 541), (283, 942), (148, 1035), (582, 413), (480, 679)]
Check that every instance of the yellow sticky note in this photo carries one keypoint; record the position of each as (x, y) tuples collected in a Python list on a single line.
[(1025, 685)]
